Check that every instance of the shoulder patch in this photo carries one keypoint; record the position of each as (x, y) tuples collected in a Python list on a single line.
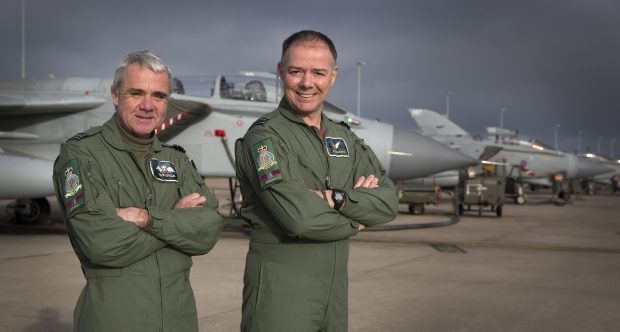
[(77, 137), (175, 146), (259, 122), (266, 163), (73, 190)]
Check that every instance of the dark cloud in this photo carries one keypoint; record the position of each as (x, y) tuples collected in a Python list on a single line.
[(546, 62)]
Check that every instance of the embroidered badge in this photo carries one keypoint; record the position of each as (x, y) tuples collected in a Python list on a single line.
[(266, 163), (73, 189), (336, 147), (163, 170)]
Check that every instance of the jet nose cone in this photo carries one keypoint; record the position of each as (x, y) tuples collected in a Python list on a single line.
[(414, 155), (586, 167)]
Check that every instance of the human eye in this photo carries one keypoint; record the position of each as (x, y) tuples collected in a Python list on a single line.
[(134, 93), (160, 96)]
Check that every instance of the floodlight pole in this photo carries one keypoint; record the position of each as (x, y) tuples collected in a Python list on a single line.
[(555, 141), (23, 39), (359, 84), (448, 94), (501, 118)]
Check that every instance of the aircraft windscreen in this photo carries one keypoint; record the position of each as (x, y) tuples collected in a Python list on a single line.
[(198, 86), (250, 87), (260, 87)]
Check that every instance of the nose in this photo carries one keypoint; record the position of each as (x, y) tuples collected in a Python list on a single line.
[(583, 167), (147, 103), (414, 155), (306, 80)]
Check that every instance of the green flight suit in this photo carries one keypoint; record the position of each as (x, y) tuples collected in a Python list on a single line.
[(296, 266), (137, 279)]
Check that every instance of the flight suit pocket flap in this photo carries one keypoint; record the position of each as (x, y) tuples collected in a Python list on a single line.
[(98, 273)]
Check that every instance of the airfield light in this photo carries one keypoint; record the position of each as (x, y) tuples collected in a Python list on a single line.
[(220, 133), (471, 172)]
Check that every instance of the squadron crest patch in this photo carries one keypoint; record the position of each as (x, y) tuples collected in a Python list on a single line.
[(267, 165), (336, 147), (163, 170), (73, 189)]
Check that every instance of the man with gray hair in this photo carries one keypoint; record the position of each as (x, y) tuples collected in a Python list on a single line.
[(135, 210)]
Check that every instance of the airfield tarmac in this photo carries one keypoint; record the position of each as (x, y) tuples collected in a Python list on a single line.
[(540, 267)]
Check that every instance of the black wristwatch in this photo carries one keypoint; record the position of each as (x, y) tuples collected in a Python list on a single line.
[(339, 197)]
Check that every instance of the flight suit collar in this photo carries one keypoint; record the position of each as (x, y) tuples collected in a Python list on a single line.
[(287, 111), (112, 135)]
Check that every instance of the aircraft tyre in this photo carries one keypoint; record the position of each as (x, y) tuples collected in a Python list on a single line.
[(31, 211), (416, 208), (520, 200), (498, 211)]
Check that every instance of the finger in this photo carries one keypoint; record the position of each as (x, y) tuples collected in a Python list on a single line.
[(200, 199), (368, 181), (374, 183), (359, 182)]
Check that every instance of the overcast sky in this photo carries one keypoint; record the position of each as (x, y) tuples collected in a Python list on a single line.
[(547, 62)]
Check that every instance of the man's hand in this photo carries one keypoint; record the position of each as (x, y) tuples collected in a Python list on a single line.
[(138, 216), (190, 201), (361, 227), (366, 182)]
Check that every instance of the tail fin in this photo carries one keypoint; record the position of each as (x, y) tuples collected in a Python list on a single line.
[(434, 124)]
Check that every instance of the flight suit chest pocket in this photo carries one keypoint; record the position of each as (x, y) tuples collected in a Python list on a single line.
[(122, 195), (306, 172), (367, 160)]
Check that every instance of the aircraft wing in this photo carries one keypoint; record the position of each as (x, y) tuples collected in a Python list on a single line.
[(183, 111), (16, 103)]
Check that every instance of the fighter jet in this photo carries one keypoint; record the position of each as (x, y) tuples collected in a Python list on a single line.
[(205, 116), (531, 161), (611, 178)]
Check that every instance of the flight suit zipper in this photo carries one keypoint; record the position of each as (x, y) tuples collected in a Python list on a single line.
[(328, 182), (149, 199)]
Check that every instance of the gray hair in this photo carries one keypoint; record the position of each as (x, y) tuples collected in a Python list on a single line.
[(144, 58)]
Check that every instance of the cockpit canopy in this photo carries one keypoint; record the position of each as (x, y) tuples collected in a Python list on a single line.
[(248, 86)]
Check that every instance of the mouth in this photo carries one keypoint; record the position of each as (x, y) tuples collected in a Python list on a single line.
[(305, 95), (144, 117)]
